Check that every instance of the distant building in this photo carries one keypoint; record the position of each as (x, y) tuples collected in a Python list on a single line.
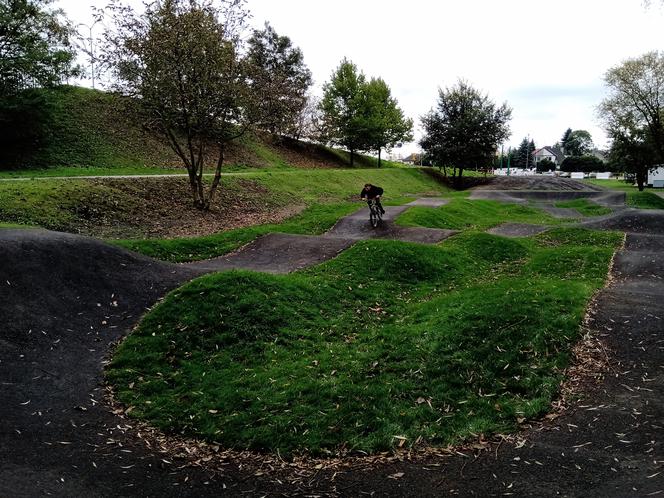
[(554, 154), (412, 159), (656, 177)]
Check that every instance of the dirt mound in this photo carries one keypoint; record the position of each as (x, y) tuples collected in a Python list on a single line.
[(356, 226), (647, 221), (535, 183), (517, 229), (604, 198), (277, 253), (65, 299)]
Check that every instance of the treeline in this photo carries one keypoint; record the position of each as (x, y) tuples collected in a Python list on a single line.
[(197, 74)]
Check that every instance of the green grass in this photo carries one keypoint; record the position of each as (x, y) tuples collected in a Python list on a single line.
[(326, 192), (585, 207), (314, 220), (90, 171), (644, 200), (390, 340), (463, 214)]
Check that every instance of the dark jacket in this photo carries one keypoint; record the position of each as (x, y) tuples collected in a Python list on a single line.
[(371, 193)]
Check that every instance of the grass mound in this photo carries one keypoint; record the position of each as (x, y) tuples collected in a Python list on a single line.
[(585, 207), (389, 342), (462, 214), (644, 200)]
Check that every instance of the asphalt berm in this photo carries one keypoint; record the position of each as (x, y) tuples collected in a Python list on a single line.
[(67, 299)]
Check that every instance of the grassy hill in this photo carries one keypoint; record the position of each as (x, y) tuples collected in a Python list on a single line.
[(92, 130)]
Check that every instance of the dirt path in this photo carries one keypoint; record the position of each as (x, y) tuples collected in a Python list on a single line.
[(66, 299), (284, 253)]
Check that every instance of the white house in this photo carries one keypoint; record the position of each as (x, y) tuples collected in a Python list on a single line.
[(656, 177), (553, 154)]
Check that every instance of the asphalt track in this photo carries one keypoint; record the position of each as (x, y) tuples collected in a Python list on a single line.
[(67, 299)]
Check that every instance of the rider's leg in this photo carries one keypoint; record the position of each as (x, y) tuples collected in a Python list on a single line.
[(380, 206)]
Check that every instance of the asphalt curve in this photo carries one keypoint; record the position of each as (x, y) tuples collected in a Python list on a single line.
[(65, 300)]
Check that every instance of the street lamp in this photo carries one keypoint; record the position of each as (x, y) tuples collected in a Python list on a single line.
[(92, 49)]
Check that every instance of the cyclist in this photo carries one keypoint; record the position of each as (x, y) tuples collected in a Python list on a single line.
[(372, 192)]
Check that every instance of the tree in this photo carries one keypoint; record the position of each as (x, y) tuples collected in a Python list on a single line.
[(179, 60), (465, 128), (545, 165), (585, 164), (386, 126), (524, 154), (35, 46), (578, 143), (342, 107), (280, 80), (632, 152), (35, 53), (564, 141), (632, 112)]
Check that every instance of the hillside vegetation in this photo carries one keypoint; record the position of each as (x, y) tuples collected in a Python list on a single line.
[(161, 207), (82, 128)]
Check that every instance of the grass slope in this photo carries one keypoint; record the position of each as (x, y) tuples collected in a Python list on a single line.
[(585, 207), (94, 130), (464, 214), (326, 192), (641, 200), (389, 342)]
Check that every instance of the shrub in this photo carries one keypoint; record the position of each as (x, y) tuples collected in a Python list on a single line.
[(586, 164)]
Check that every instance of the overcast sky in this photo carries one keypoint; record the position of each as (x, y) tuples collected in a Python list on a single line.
[(545, 58)]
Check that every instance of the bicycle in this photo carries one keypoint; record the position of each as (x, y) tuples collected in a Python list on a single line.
[(375, 215)]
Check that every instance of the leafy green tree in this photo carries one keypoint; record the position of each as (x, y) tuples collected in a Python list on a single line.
[(35, 52), (464, 129), (578, 143), (343, 109), (35, 46), (564, 141), (279, 78), (545, 165), (179, 59), (585, 164), (386, 126), (633, 153), (524, 154), (633, 112)]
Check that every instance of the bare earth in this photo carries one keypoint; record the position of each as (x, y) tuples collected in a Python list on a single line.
[(66, 299)]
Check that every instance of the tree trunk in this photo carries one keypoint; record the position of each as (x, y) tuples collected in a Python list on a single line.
[(352, 157), (641, 176), (379, 157), (217, 177), (195, 189)]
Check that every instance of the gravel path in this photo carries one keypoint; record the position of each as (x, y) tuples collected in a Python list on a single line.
[(66, 299)]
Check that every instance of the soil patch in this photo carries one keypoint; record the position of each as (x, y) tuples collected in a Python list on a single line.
[(161, 207), (517, 229)]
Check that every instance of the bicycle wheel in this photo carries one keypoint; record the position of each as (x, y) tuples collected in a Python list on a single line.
[(373, 216)]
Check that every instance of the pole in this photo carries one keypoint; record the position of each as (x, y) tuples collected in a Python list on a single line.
[(92, 49), (509, 156)]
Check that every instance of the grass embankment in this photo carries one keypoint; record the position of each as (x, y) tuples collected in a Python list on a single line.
[(585, 207), (464, 214), (78, 127), (640, 200), (326, 192), (389, 344), (161, 207)]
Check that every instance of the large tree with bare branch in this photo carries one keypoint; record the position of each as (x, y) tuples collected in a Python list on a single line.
[(179, 60)]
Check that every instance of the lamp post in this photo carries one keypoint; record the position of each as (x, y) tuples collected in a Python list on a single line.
[(92, 49)]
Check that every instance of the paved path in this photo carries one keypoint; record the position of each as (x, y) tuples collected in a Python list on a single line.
[(67, 299), (284, 253)]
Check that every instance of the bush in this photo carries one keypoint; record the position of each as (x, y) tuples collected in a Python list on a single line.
[(586, 164), (546, 165)]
